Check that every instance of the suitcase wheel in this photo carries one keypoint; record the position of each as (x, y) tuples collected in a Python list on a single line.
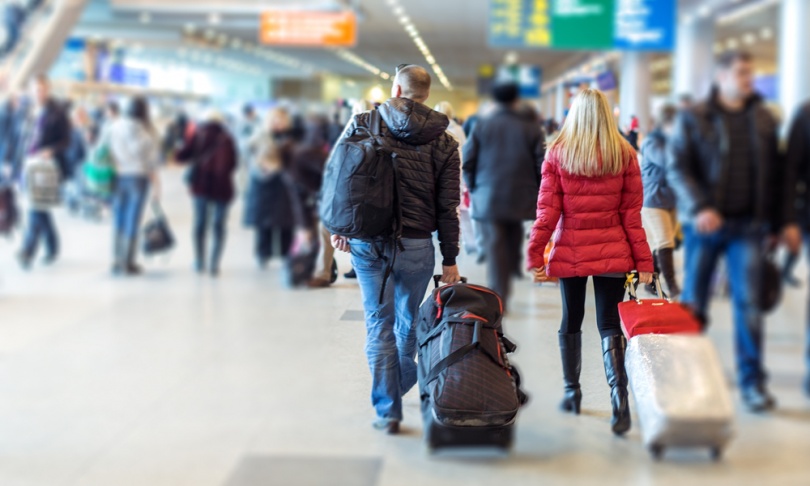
[(657, 451), (717, 454)]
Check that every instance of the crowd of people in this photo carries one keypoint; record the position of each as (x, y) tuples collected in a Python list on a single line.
[(602, 203)]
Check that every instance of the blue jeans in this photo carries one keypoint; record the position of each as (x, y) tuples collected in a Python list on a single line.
[(390, 331), (743, 249), (216, 212), (128, 202), (40, 226)]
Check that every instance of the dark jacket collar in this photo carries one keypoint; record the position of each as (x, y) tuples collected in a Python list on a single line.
[(714, 101)]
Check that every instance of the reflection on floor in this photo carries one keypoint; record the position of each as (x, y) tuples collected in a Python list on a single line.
[(176, 379)]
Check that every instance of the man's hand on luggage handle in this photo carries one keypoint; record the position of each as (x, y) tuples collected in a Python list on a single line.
[(341, 243), (792, 238), (450, 275)]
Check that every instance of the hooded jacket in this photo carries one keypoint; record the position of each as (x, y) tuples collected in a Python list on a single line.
[(429, 170)]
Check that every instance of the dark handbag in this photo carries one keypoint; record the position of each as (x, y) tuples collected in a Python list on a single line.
[(771, 291), (157, 236)]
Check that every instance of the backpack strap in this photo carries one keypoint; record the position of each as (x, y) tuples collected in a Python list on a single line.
[(375, 122)]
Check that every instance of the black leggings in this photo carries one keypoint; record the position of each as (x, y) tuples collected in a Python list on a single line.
[(609, 294)]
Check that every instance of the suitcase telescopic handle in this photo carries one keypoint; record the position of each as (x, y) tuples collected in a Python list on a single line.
[(633, 283), (437, 280)]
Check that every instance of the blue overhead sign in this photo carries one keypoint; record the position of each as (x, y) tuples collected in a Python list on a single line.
[(645, 25), (640, 25)]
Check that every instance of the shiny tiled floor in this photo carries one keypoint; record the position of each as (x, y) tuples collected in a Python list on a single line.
[(173, 379)]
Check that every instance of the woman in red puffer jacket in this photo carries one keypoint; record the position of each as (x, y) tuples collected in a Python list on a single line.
[(591, 194)]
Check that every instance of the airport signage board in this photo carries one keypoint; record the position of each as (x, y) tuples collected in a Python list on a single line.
[(282, 27), (583, 24)]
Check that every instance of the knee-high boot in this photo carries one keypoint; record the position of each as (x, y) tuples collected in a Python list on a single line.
[(613, 348), (571, 351)]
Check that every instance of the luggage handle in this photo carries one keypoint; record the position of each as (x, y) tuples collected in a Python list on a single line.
[(632, 286), (437, 280)]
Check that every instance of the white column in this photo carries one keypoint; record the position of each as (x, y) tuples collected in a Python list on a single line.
[(794, 63), (693, 59), (635, 90), (559, 102)]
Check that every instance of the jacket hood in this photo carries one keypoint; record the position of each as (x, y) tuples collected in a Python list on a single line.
[(412, 122)]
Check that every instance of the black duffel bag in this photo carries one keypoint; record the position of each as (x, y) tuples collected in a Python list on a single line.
[(470, 392)]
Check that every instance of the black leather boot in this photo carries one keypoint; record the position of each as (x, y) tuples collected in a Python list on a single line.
[(571, 351), (667, 263), (613, 349), (651, 289)]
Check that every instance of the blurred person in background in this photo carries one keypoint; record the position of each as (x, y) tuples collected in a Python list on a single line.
[(213, 158), (724, 166), (13, 19), (503, 161), (14, 115), (796, 200), (80, 135), (659, 214), (47, 137), (631, 133), (429, 184), (269, 201), (249, 127), (177, 134), (454, 129), (307, 161), (592, 180), (135, 150)]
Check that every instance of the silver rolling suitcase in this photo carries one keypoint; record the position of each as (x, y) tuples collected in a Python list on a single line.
[(681, 395)]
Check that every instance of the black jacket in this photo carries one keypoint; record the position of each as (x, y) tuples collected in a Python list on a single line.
[(503, 160), (54, 133), (698, 162), (657, 192), (796, 200), (429, 169)]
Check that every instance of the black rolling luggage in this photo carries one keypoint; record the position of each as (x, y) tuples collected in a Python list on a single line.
[(470, 392)]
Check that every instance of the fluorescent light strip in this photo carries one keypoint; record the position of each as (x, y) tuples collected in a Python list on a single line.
[(353, 58), (745, 11), (413, 32)]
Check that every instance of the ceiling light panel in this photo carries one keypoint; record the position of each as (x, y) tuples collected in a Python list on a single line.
[(406, 22)]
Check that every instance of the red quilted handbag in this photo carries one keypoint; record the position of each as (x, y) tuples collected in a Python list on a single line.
[(655, 316)]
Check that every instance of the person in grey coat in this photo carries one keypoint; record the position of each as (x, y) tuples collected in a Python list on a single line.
[(503, 160)]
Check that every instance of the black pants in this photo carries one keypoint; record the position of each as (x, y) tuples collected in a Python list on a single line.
[(609, 294), (266, 244), (504, 246)]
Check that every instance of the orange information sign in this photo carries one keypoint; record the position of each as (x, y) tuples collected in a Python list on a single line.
[(310, 29)]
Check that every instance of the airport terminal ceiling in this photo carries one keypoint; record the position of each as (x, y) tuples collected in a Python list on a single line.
[(454, 30)]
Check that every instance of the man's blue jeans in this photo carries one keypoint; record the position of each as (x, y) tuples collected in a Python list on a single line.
[(743, 249), (128, 202), (390, 331), (40, 226)]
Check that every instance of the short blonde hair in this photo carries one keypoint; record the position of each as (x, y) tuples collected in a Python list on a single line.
[(589, 143), (446, 109)]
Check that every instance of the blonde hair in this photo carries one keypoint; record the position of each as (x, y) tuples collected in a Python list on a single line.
[(589, 143), (446, 109)]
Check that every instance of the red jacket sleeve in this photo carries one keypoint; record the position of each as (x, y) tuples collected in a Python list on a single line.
[(549, 209), (630, 211)]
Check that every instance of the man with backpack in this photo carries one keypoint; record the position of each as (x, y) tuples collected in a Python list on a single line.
[(392, 180), (49, 137)]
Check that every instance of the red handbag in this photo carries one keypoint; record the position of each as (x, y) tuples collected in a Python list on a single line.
[(655, 316)]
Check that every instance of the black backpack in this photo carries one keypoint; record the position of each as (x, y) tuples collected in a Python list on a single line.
[(470, 392), (359, 194)]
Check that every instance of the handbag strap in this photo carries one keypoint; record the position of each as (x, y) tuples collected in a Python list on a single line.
[(632, 284)]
